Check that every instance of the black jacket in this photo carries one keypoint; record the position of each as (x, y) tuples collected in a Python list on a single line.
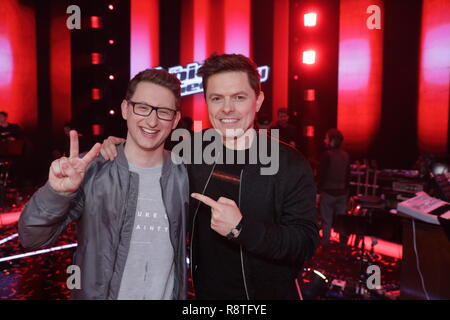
[(334, 172), (279, 221), (105, 208)]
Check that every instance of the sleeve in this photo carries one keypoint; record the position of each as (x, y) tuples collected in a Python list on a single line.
[(294, 238), (46, 215)]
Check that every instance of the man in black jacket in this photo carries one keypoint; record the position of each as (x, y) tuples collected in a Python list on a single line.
[(334, 173), (251, 229)]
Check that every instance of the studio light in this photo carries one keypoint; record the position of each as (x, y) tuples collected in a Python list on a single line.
[(310, 95), (96, 58), (310, 19), (96, 22), (309, 57), (95, 94)]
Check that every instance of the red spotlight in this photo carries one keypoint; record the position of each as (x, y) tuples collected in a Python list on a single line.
[(310, 19), (96, 22), (96, 94), (97, 129), (310, 95), (111, 41), (111, 77), (96, 58), (112, 112), (309, 57), (110, 7), (309, 131), (295, 76)]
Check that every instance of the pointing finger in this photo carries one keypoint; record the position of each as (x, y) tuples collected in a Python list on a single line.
[(206, 200), (74, 148), (226, 201)]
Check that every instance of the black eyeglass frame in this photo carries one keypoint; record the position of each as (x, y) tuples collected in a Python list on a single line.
[(172, 111)]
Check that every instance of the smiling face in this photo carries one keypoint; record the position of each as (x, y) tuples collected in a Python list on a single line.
[(232, 103), (149, 133)]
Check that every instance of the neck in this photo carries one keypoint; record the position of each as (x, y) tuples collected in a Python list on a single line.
[(141, 157), (242, 142)]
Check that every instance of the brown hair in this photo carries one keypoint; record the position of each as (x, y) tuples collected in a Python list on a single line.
[(335, 137), (157, 76), (230, 62)]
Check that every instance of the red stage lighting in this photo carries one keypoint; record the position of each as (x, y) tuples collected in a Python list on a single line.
[(97, 129), (111, 77), (295, 76), (110, 7), (96, 22), (111, 41), (112, 112), (96, 94), (309, 57), (309, 131), (96, 58), (310, 95), (310, 19)]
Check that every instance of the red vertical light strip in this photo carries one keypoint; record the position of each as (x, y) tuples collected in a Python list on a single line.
[(144, 51), (216, 27), (280, 56), (237, 15), (187, 49), (360, 74), (194, 47), (18, 87), (201, 11), (60, 70), (434, 78)]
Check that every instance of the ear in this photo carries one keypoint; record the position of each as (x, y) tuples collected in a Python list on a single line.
[(124, 108), (176, 119), (259, 100)]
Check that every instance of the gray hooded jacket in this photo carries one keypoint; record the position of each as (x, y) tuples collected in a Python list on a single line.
[(104, 207)]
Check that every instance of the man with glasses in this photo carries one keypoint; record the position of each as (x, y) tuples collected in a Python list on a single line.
[(131, 212), (250, 232)]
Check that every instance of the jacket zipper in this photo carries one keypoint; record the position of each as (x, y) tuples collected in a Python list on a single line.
[(193, 226), (240, 246), (193, 229), (122, 219)]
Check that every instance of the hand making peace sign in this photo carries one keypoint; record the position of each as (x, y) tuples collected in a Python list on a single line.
[(66, 174)]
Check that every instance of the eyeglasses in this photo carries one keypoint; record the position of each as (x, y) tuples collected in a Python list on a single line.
[(145, 110)]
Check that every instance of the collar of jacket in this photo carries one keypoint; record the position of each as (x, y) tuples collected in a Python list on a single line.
[(168, 163)]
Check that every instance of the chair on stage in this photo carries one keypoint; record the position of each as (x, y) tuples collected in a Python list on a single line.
[(363, 206), (358, 221)]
